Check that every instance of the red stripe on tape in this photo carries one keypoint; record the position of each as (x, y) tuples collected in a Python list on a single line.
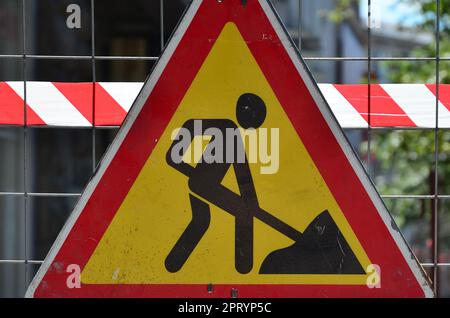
[(384, 111), (12, 110), (107, 110)]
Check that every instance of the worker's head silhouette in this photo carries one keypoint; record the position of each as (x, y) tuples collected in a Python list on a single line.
[(250, 111)]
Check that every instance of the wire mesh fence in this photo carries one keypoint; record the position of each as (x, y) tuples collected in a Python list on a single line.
[(49, 166)]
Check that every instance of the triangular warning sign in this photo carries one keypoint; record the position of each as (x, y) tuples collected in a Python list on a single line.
[(230, 172)]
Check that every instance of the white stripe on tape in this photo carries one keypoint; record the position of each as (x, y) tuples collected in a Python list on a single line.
[(50, 104), (345, 113), (419, 103), (123, 93)]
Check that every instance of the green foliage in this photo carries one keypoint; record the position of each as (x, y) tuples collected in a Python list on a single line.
[(404, 164), (404, 159), (343, 10)]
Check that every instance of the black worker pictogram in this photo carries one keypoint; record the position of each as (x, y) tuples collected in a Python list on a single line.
[(320, 249)]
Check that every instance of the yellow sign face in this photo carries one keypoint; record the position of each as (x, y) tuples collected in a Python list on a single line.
[(158, 208)]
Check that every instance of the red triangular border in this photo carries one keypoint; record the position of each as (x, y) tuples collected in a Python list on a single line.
[(401, 275)]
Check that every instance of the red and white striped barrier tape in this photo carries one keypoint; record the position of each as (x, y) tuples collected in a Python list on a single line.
[(71, 104)]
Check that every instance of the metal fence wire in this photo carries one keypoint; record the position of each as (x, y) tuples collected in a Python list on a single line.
[(28, 60)]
